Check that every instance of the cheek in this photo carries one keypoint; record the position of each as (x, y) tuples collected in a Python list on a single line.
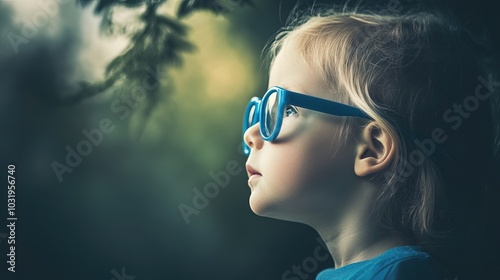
[(283, 182), (301, 167), (297, 171)]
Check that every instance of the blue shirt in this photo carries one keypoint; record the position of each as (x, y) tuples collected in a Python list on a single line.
[(401, 263)]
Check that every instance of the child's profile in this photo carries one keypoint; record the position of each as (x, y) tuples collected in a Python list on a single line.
[(392, 159)]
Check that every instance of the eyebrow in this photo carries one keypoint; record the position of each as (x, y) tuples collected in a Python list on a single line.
[(290, 86)]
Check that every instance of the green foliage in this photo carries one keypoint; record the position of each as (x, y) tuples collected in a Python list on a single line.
[(106, 4), (216, 6), (159, 44)]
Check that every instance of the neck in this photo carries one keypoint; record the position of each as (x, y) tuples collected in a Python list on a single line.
[(352, 247), (356, 237)]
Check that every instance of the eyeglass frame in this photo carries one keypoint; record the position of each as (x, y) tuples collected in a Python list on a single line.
[(287, 97)]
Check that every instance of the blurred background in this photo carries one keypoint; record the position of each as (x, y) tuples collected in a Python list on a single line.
[(115, 112)]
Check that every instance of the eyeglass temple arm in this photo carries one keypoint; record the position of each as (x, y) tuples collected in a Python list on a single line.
[(325, 106)]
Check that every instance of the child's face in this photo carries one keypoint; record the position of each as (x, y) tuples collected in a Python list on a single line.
[(305, 172)]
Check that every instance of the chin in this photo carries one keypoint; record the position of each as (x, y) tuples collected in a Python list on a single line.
[(271, 210), (261, 207), (256, 205)]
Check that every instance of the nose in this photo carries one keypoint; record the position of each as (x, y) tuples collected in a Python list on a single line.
[(252, 137)]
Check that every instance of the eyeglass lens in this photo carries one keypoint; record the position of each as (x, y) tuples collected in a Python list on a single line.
[(271, 113), (252, 116)]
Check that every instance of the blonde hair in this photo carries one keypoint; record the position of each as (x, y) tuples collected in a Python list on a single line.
[(406, 71)]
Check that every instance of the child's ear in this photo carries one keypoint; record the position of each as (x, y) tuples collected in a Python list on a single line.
[(375, 152)]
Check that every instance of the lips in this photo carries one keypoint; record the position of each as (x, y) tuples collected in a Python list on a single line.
[(251, 171)]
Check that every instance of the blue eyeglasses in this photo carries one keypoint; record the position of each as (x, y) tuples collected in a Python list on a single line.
[(275, 102)]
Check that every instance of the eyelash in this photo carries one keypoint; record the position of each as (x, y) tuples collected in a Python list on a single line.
[(292, 109)]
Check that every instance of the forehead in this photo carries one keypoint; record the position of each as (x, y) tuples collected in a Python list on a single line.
[(291, 71)]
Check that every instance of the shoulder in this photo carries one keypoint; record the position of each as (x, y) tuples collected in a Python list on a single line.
[(409, 263), (399, 263)]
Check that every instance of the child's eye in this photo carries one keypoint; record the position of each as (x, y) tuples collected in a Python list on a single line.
[(291, 111)]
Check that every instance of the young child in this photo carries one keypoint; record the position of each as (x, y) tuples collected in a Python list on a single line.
[(380, 132)]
